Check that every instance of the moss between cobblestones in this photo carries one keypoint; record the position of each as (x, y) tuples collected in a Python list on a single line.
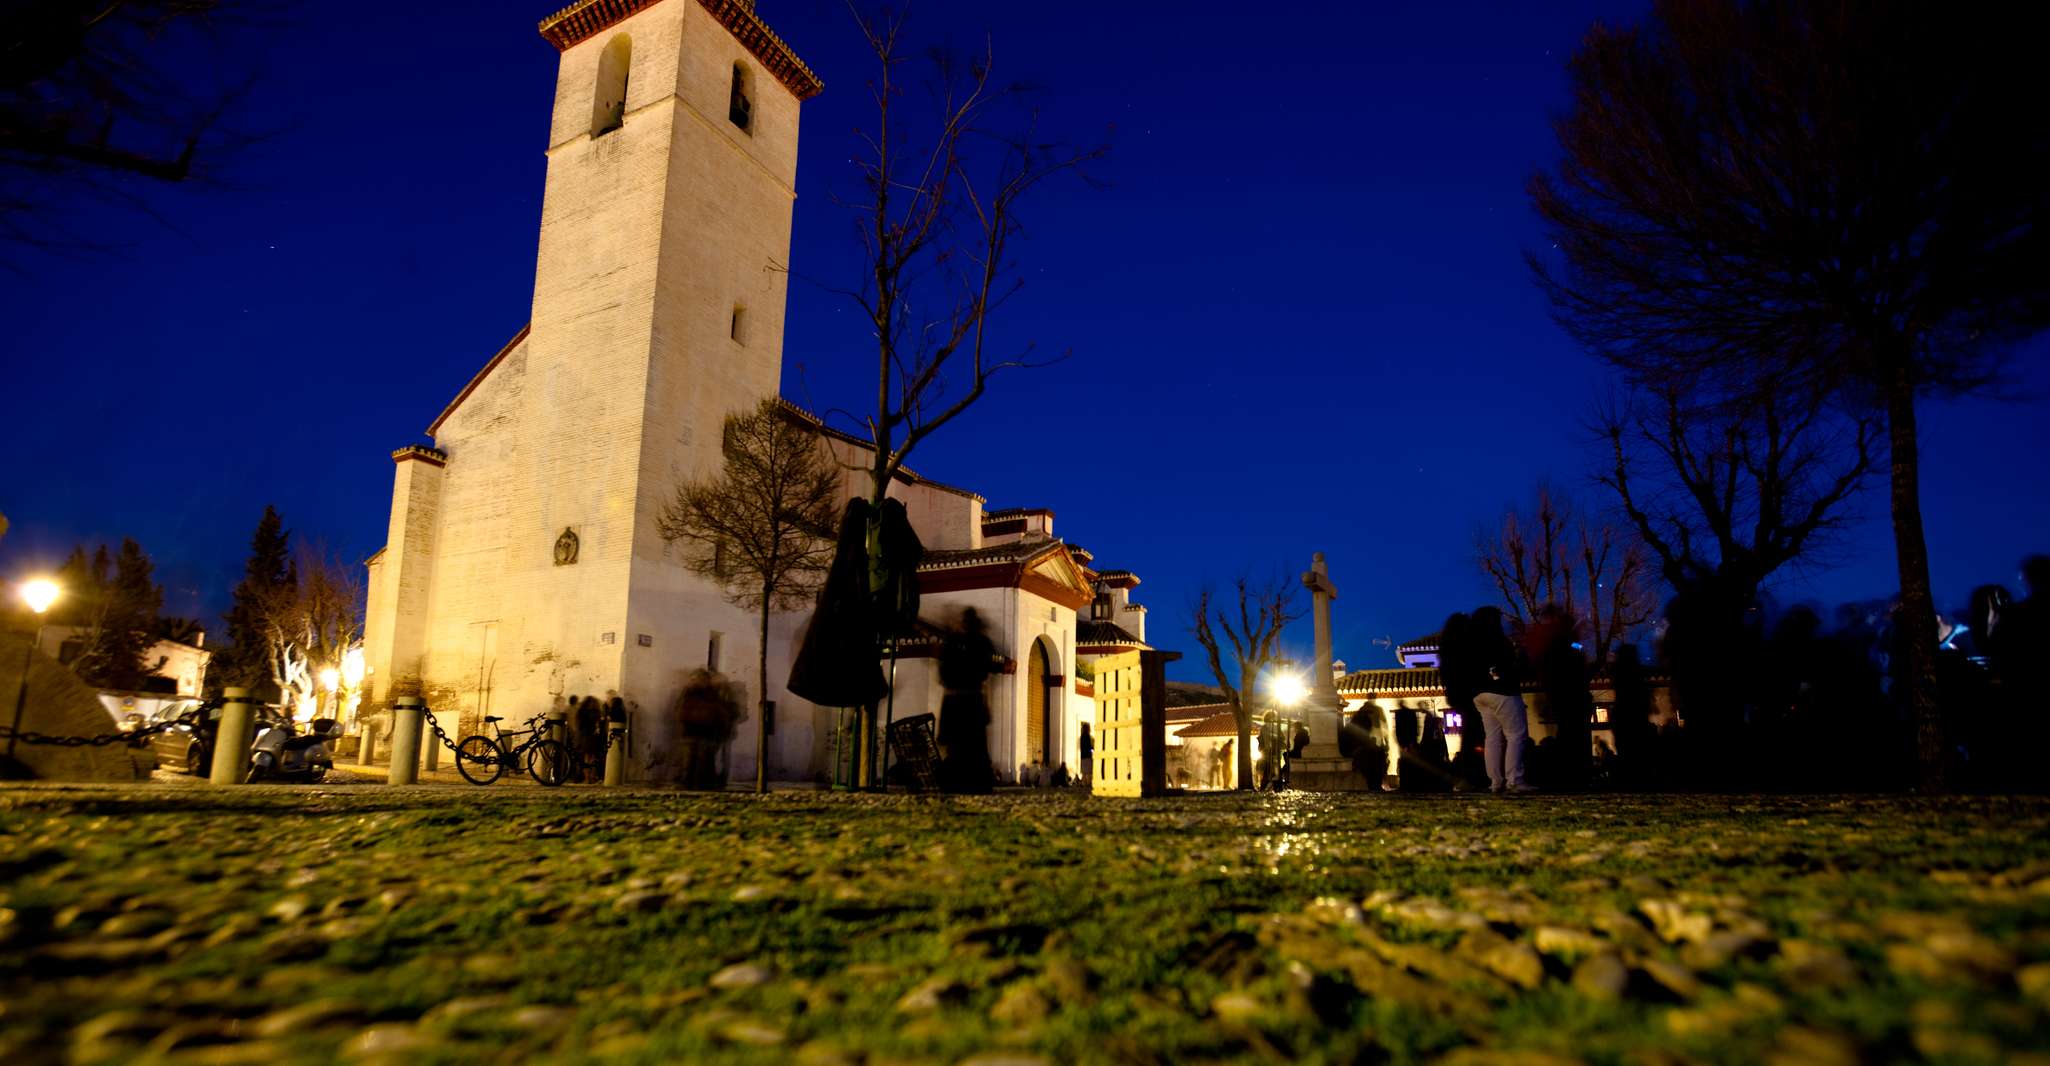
[(584, 925)]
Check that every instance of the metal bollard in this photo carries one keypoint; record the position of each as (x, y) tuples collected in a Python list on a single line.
[(615, 759), (366, 744), (408, 719), (558, 726), (231, 738), (432, 761)]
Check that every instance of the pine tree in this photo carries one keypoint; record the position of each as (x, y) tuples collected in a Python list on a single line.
[(267, 578), (118, 615), (80, 602)]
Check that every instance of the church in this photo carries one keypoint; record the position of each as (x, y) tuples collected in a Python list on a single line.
[(522, 562)]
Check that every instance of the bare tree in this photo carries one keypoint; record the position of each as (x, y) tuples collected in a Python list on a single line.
[(1731, 492), (311, 625), (1725, 495), (937, 219), (93, 92), (1597, 574), (762, 529), (1829, 193), (1247, 634)]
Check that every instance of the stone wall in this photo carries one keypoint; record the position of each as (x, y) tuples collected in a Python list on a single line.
[(59, 704)]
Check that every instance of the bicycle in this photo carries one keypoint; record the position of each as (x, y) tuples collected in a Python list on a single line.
[(482, 760)]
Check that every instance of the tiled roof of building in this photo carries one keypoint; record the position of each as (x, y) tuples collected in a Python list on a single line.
[(1426, 681), (1118, 579), (1222, 724), (1425, 643), (584, 20), (1360, 682), (1002, 513), (1090, 631), (1021, 551)]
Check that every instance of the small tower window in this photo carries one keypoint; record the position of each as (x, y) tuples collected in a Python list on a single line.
[(608, 106), (739, 108), (737, 329)]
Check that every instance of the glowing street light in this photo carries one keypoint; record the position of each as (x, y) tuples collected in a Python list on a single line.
[(330, 679), (1288, 689), (352, 667), (39, 593)]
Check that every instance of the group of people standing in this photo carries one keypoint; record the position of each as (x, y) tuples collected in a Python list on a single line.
[(589, 719), (1478, 667), (1281, 742)]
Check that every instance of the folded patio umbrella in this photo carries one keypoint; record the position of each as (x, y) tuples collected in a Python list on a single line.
[(836, 664)]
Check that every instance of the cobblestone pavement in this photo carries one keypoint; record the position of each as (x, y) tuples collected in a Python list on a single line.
[(359, 923)]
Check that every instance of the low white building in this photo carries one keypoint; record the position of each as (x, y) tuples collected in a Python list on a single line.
[(180, 666)]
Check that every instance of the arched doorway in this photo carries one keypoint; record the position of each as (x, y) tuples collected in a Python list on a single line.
[(1039, 729)]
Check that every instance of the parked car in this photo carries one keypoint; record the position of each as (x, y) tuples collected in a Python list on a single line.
[(192, 749)]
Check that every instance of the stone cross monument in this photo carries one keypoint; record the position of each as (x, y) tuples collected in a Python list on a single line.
[(1322, 768), (1321, 714)]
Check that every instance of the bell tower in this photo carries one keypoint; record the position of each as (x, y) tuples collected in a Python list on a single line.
[(659, 286), (522, 562)]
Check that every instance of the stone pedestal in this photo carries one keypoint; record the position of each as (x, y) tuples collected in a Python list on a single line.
[(1321, 768)]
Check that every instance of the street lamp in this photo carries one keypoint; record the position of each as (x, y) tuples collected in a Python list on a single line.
[(352, 682), (38, 593), (330, 679), (1288, 689)]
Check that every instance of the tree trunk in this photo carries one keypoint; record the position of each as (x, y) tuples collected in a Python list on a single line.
[(762, 695), (1244, 718), (1244, 714), (1917, 619)]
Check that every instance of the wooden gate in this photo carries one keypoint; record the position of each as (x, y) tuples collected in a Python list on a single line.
[(1118, 734), (1035, 706)]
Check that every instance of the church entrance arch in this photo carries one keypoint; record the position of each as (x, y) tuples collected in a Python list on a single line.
[(1040, 727)]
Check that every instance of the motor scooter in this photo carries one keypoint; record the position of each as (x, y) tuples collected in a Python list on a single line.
[(283, 754)]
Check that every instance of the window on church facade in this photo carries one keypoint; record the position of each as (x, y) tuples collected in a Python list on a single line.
[(737, 329), (712, 649), (608, 107), (739, 108)]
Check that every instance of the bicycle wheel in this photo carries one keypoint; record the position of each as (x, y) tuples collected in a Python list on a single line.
[(548, 761), (479, 760)]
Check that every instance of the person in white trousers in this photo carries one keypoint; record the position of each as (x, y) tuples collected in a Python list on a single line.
[(1499, 699)]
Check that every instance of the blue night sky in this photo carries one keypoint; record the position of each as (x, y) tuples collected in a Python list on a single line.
[(1297, 310)]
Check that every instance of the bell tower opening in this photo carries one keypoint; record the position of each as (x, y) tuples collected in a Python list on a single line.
[(608, 104), (740, 106)]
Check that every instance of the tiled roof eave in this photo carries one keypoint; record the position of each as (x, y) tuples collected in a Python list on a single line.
[(1021, 553), (586, 19)]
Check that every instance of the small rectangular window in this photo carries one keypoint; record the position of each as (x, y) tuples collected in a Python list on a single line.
[(712, 651), (737, 327), (740, 109)]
